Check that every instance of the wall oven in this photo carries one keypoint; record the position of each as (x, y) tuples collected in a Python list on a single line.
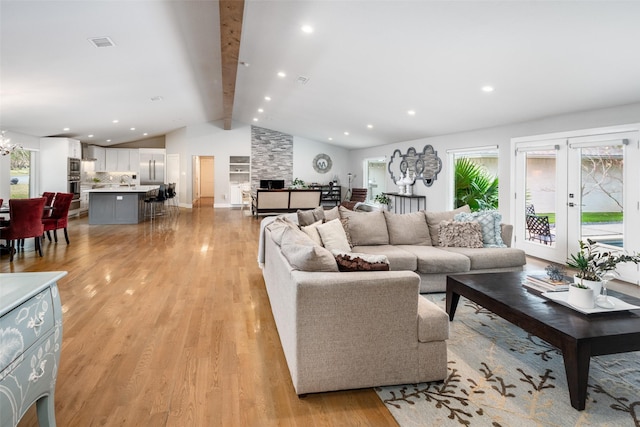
[(73, 179)]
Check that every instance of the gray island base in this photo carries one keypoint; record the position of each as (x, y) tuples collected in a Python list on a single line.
[(119, 205)]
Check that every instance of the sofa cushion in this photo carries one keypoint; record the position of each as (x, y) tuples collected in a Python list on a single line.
[(304, 254), (435, 218), (333, 236), (437, 260), (433, 322), (399, 260), (312, 231), (408, 229), (366, 228), (278, 227), (489, 222), (308, 217), (351, 261), (491, 258), (331, 214), (460, 234)]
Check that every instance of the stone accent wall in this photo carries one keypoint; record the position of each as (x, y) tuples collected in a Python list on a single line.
[(271, 156)]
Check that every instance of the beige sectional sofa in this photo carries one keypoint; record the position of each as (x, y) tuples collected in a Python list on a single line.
[(345, 330)]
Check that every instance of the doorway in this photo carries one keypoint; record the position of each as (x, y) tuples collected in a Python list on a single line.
[(576, 188), (375, 177), (203, 181)]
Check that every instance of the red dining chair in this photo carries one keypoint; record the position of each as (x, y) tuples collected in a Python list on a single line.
[(26, 221), (59, 216), (49, 196)]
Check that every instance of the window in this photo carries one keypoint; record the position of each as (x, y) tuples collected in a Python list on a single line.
[(475, 177), (22, 182)]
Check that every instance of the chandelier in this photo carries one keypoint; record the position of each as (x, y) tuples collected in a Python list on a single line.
[(5, 145)]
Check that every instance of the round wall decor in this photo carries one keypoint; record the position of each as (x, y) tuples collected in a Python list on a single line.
[(322, 163)]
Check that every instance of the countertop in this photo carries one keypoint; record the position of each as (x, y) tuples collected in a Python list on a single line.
[(122, 189)]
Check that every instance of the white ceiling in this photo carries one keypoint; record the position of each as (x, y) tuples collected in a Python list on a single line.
[(368, 62)]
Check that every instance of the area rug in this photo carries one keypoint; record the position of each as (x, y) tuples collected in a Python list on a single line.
[(501, 376)]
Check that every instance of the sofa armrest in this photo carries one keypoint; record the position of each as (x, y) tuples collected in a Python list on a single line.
[(506, 232)]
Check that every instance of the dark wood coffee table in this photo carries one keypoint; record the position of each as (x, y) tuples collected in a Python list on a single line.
[(576, 335)]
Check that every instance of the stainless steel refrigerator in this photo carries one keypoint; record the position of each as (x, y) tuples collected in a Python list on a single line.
[(151, 168)]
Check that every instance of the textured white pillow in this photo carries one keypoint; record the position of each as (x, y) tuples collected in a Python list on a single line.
[(333, 236), (489, 223), (312, 231)]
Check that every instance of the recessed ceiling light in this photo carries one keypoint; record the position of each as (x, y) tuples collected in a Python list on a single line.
[(260, 110), (370, 126), (267, 98), (346, 133), (330, 139), (145, 134), (132, 129), (411, 112), (282, 74), (90, 135), (115, 121), (66, 129), (255, 119), (308, 29), (487, 88), (108, 140)]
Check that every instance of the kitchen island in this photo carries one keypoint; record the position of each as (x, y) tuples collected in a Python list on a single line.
[(118, 204)]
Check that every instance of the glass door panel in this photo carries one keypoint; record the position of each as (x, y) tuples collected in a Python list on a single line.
[(540, 215)]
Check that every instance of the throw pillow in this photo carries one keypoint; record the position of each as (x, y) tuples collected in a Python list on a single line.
[(460, 234), (351, 261), (312, 231), (331, 214), (490, 224), (366, 228), (310, 216), (333, 236), (408, 229), (278, 227), (435, 218), (305, 255)]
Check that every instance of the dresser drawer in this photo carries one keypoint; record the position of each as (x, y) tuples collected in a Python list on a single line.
[(23, 326), (31, 376)]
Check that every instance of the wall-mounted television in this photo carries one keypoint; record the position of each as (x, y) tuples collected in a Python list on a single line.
[(272, 184)]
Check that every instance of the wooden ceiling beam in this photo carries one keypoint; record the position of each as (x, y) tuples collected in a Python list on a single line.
[(231, 13)]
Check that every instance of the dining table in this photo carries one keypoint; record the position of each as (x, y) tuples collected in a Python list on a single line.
[(5, 221)]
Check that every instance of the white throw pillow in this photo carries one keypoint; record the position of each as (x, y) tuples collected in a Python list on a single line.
[(333, 236), (312, 231)]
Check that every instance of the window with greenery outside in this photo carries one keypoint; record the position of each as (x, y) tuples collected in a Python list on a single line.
[(474, 186)]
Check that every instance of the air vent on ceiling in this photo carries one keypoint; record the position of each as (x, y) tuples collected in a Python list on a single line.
[(102, 42), (302, 80)]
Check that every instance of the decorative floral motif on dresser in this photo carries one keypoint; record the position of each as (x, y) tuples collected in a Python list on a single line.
[(30, 342)]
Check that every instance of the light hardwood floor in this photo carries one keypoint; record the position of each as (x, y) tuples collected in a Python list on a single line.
[(169, 324)]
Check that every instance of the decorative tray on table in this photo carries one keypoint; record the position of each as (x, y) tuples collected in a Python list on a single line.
[(618, 305)]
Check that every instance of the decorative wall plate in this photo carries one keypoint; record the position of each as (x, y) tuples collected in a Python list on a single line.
[(322, 163)]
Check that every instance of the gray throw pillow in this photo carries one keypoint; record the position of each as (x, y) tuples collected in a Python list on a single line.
[(310, 216), (304, 254), (408, 229), (366, 228)]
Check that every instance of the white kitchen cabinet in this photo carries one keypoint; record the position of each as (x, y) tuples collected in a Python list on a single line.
[(235, 194), (75, 149), (134, 161), (98, 153), (118, 160)]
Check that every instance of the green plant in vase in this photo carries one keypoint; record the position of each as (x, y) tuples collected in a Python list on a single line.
[(593, 263)]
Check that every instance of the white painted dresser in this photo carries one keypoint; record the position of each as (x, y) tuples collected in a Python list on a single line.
[(30, 343)]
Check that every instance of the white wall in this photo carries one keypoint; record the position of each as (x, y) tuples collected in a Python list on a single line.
[(438, 195), (305, 150)]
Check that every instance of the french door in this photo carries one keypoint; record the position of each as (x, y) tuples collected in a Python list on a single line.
[(583, 187)]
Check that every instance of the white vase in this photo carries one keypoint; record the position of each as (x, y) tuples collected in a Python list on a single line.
[(581, 297), (593, 284)]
